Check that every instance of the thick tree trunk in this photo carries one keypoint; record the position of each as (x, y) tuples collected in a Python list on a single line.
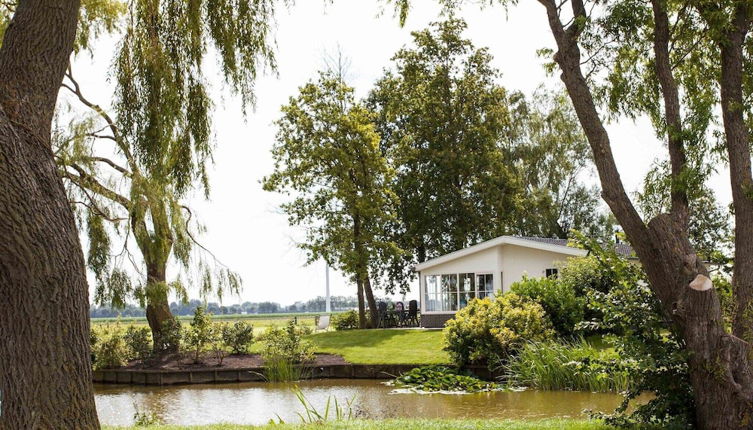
[(45, 368), (158, 310), (738, 151), (361, 304), (373, 310), (719, 363)]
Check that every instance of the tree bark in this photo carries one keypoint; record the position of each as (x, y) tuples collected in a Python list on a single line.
[(719, 363), (738, 151), (158, 313), (373, 310), (45, 368), (361, 304)]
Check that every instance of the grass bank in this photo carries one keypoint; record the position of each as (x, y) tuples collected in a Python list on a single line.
[(407, 424), (379, 346)]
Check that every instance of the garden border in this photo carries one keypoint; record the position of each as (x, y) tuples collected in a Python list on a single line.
[(209, 375)]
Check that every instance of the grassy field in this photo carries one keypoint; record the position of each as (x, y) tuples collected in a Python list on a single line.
[(408, 424), (260, 321), (255, 319), (383, 346)]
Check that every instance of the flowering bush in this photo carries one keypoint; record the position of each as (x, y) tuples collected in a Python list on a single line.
[(490, 330)]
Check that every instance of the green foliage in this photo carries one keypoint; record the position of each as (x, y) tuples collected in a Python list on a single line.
[(646, 339), (138, 340), (564, 308), (201, 333), (710, 226), (238, 336), (442, 378), (333, 410), (111, 350), (146, 419), (490, 331), (441, 116), (473, 160), (569, 366), (170, 337), (345, 321), (327, 155), (287, 343)]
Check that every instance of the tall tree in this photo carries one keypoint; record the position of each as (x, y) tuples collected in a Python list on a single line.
[(45, 374), (327, 158), (474, 161), (691, 57), (441, 116), (129, 170)]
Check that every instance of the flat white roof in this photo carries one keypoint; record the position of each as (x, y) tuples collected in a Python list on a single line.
[(502, 240)]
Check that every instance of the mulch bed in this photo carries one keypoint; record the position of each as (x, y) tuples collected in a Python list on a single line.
[(186, 362)]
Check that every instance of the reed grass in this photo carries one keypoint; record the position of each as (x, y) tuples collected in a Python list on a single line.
[(279, 369), (575, 365)]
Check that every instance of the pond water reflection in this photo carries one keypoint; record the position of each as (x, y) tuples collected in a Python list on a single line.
[(257, 403)]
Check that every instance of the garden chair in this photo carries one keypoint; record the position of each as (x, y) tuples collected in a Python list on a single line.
[(412, 317), (400, 313), (322, 323), (382, 311)]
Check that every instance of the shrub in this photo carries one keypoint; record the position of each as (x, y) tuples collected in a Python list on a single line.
[(111, 351), (170, 338), (238, 337), (138, 340), (629, 308), (201, 333), (569, 366), (284, 348), (491, 330), (558, 299), (345, 321), (442, 378), (287, 343)]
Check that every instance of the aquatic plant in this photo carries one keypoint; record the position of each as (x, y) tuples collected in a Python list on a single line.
[(573, 365), (442, 378)]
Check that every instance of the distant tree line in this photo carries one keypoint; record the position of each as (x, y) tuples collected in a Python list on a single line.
[(338, 303)]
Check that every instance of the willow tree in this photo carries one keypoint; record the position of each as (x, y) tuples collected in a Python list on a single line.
[(46, 373), (327, 158), (680, 62), (129, 169)]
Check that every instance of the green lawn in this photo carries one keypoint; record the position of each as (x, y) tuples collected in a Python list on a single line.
[(383, 346), (408, 424)]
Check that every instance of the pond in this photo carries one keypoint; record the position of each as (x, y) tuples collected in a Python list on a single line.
[(258, 402)]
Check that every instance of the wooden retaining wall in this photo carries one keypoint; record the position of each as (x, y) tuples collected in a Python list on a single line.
[(251, 374)]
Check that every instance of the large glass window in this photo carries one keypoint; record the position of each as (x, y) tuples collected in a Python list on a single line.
[(466, 289), (450, 292), (432, 293), (485, 282)]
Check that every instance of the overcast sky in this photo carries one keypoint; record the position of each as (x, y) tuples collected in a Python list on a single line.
[(245, 229)]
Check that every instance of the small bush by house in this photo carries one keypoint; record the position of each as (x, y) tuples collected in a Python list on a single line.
[(489, 331)]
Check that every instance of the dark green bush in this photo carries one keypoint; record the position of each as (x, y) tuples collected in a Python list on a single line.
[(442, 378), (139, 341), (345, 321), (558, 299), (238, 337), (489, 331)]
